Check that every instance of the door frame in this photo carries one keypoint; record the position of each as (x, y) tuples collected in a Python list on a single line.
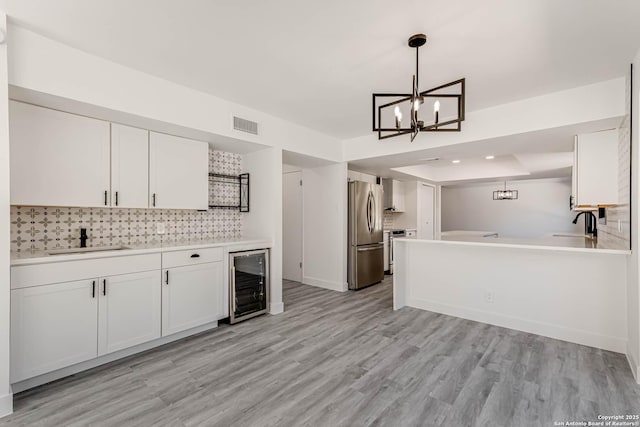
[(301, 210), (436, 207)]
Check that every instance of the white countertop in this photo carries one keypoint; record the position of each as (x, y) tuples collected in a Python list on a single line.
[(570, 244), (39, 257)]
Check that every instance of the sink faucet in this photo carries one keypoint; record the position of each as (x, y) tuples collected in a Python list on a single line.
[(589, 223), (83, 237)]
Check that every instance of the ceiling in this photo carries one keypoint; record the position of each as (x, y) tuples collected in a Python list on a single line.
[(532, 155), (317, 63)]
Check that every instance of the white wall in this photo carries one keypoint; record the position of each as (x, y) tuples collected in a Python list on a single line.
[(573, 295), (42, 65), (542, 207), (633, 283), (264, 218), (6, 401), (324, 194)]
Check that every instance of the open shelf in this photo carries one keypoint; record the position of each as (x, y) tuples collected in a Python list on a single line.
[(229, 191)]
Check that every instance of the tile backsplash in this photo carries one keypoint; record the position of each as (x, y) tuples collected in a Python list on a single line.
[(46, 228)]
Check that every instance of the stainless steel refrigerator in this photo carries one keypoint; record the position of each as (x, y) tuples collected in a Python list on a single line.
[(366, 246)]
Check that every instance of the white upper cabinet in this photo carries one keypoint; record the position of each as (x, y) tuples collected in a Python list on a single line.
[(178, 172), (58, 159), (129, 167), (595, 169), (398, 199)]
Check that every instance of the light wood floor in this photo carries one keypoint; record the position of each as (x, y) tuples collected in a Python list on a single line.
[(344, 359)]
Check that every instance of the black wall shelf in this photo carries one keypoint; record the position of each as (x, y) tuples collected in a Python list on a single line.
[(241, 184)]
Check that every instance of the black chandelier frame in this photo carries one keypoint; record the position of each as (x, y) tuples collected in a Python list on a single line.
[(417, 125)]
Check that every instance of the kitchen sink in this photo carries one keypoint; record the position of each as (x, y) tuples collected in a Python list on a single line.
[(584, 236), (86, 250)]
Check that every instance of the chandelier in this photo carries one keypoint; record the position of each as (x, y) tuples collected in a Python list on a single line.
[(505, 194), (448, 106)]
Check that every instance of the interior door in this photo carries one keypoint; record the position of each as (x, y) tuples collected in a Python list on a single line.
[(292, 226), (426, 222)]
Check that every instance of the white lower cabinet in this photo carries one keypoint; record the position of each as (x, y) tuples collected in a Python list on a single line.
[(128, 310), (53, 326), (66, 313), (191, 296)]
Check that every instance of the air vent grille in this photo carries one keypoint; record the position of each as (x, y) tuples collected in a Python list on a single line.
[(244, 125)]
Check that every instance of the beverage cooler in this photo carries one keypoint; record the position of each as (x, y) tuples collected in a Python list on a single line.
[(249, 284)]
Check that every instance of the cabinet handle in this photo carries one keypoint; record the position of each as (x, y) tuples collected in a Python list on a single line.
[(167, 277), (93, 289), (105, 197), (195, 256), (116, 198), (104, 287), (154, 200)]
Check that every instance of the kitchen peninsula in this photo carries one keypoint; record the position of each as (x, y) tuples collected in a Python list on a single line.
[(575, 294)]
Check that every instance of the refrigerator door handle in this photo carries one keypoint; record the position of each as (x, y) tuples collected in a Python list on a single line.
[(370, 248), (369, 212)]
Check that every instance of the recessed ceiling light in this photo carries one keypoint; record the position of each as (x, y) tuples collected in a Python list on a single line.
[(455, 161), (490, 157)]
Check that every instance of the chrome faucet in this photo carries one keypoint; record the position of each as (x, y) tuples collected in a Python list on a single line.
[(590, 221), (83, 237)]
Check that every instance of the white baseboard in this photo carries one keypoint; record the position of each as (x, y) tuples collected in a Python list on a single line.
[(6, 405), (633, 365), (276, 307), (578, 336), (325, 284)]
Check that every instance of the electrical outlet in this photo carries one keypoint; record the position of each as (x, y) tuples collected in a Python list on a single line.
[(488, 297), (160, 229)]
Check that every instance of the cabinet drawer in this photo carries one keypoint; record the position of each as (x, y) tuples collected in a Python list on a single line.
[(190, 257), (25, 276)]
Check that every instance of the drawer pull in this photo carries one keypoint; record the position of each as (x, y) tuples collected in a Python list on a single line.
[(195, 256)]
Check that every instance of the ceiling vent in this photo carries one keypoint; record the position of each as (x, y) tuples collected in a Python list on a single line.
[(244, 125)]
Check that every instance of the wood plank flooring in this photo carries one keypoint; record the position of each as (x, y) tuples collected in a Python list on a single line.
[(343, 359)]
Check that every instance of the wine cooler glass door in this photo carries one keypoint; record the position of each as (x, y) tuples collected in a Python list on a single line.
[(250, 287)]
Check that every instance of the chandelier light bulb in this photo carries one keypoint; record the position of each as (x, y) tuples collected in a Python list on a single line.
[(397, 112), (436, 106), (416, 104)]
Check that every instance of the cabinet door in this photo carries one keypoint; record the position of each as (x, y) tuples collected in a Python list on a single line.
[(129, 167), (191, 296), (52, 326), (57, 159), (597, 171), (129, 310), (398, 196), (178, 172)]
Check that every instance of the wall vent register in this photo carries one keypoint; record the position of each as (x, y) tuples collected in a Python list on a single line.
[(244, 125)]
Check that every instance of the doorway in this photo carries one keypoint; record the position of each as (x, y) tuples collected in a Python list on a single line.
[(426, 212), (292, 225)]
